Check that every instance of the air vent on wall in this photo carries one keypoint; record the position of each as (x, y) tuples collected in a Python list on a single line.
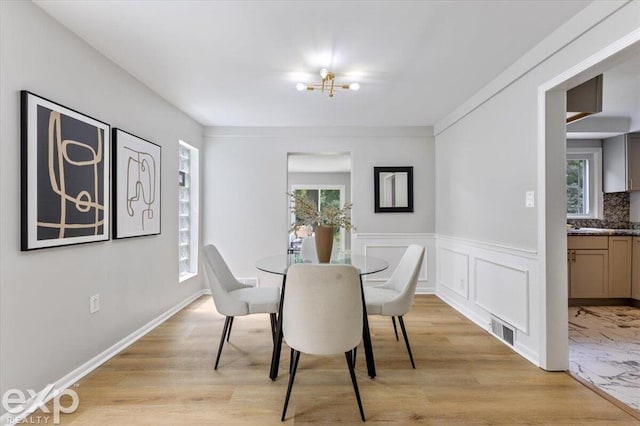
[(504, 331)]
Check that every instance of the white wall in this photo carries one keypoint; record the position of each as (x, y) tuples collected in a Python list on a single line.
[(46, 329), (245, 181), (487, 157)]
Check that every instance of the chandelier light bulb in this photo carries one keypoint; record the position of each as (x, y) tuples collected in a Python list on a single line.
[(354, 86), (300, 87), (324, 73)]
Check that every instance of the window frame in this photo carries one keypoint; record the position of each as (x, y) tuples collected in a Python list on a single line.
[(593, 157), (193, 182)]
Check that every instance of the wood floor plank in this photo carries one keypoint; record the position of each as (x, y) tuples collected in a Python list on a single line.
[(463, 376)]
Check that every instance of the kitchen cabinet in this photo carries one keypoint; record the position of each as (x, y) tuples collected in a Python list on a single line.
[(620, 266), (588, 267), (600, 267), (589, 274), (635, 275), (621, 163)]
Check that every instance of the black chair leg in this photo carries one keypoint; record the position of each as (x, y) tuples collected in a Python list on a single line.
[(354, 353), (352, 373), (296, 358), (291, 356), (406, 340), (395, 329), (229, 331), (272, 319), (224, 334)]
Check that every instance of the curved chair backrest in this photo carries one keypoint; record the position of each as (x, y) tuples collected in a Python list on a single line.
[(322, 311), (405, 277), (308, 249), (221, 281)]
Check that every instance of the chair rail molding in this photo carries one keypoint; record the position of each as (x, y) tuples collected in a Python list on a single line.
[(391, 247)]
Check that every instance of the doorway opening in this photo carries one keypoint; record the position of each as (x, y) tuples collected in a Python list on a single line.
[(552, 180), (325, 179)]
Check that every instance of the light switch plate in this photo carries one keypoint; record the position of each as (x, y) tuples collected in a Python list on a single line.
[(529, 199)]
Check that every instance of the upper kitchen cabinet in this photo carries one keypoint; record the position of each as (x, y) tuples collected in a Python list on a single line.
[(621, 163)]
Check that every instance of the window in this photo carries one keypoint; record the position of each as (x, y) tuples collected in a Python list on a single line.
[(577, 187), (188, 210), (584, 194), (322, 196)]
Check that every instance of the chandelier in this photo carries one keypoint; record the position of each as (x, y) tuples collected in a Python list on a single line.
[(328, 84)]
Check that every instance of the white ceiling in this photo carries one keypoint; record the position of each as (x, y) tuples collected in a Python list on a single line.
[(235, 63), (621, 89)]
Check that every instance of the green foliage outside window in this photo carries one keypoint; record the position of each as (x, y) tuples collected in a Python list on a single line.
[(576, 186)]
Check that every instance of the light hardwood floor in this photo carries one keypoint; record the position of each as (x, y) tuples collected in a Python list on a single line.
[(463, 376)]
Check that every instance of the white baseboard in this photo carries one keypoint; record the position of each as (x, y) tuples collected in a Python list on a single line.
[(74, 376)]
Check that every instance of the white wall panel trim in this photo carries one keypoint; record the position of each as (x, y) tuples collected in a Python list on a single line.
[(456, 276), (393, 236), (368, 252), (530, 254), (515, 310), (391, 246), (502, 282)]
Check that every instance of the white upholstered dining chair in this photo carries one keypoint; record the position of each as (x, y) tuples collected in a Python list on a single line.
[(322, 315), (394, 297), (232, 298)]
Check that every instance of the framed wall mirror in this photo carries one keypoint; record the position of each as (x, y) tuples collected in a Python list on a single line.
[(393, 189)]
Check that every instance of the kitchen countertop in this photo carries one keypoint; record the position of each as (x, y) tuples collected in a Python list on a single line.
[(600, 231)]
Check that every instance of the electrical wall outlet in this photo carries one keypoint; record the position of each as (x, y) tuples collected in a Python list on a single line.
[(94, 303)]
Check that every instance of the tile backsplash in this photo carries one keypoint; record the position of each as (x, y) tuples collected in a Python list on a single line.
[(616, 214)]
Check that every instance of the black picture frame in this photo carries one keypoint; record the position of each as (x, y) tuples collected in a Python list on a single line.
[(64, 176), (393, 189), (137, 172)]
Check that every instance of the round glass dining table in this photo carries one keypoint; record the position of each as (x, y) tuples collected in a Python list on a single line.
[(280, 264)]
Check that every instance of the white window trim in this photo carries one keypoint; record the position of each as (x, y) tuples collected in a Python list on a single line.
[(340, 188), (194, 211), (595, 198)]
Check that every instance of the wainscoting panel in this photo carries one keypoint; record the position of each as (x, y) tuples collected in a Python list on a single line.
[(453, 271), (391, 247), (392, 254), (503, 291), (501, 282)]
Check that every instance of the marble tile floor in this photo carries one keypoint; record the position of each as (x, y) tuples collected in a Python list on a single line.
[(604, 349)]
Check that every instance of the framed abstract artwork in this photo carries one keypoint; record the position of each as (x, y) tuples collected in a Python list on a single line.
[(136, 186), (393, 189), (64, 175)]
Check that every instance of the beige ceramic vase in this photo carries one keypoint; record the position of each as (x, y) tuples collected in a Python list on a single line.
[(324, 243)]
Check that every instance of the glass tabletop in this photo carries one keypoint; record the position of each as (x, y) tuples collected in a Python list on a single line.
[(280, 264)]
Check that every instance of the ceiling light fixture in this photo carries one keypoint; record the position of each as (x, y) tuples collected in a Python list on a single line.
[(328, 84)]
